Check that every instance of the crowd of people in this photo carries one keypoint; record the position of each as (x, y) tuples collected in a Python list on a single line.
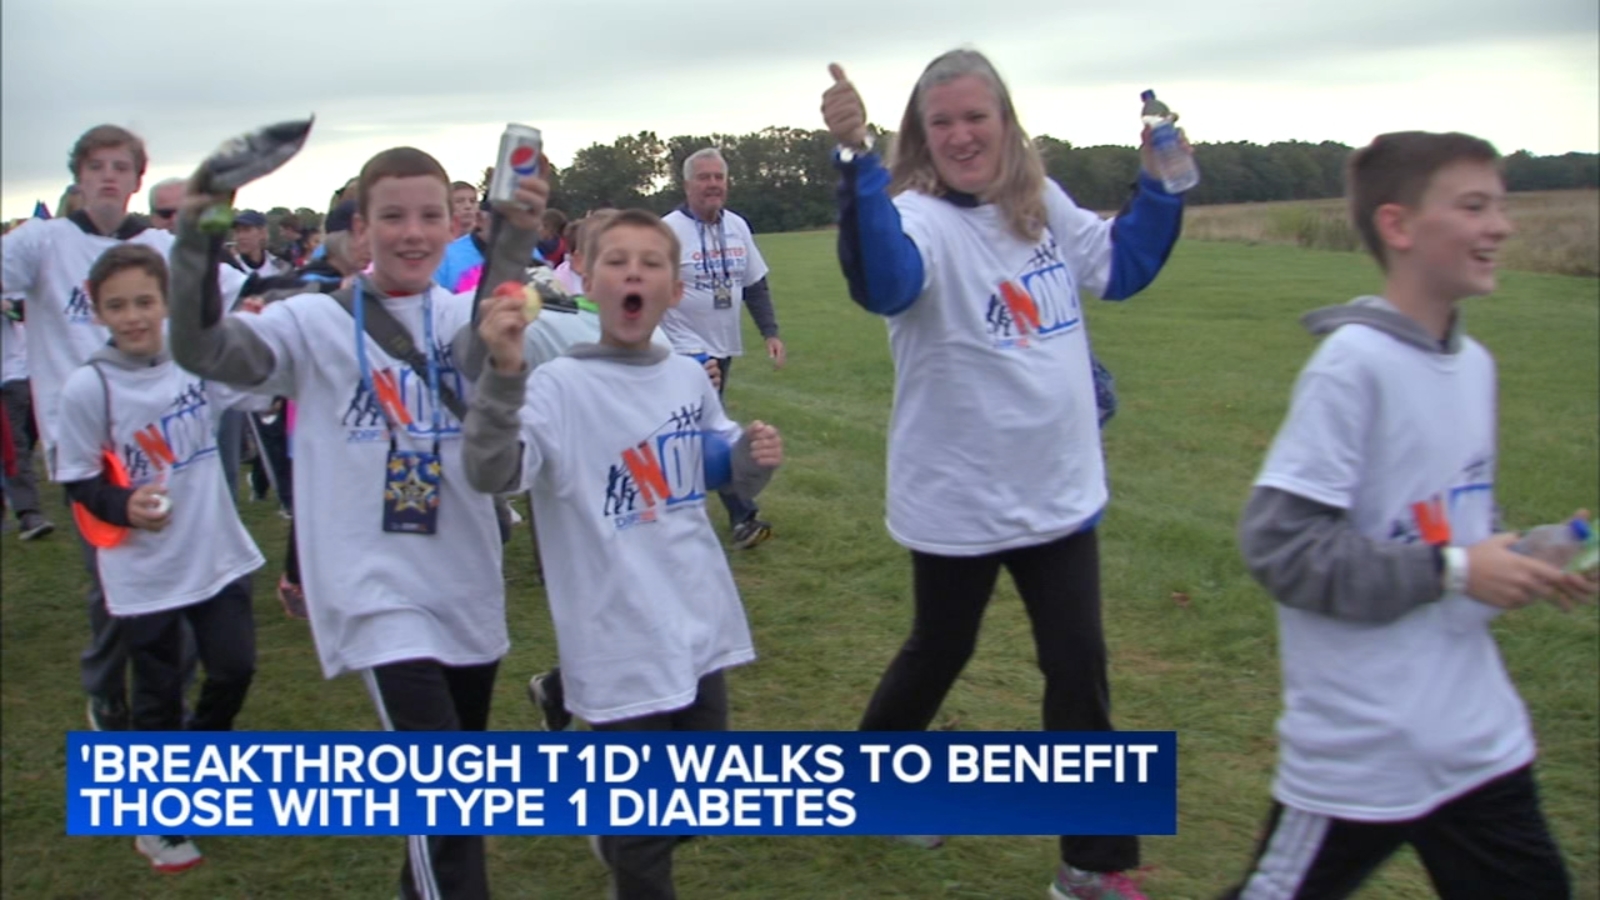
[(394, 398)]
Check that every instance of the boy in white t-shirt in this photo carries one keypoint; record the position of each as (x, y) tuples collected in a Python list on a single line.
[(1372, 524), (185, 556), (400, 559), (621, 442)]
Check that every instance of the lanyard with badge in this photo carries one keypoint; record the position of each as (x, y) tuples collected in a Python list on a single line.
[(721, 289), (411, 477)]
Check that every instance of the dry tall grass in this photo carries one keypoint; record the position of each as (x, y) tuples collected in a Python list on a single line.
[(1557, 231)]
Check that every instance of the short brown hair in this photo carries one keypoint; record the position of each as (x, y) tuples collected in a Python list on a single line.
[(291, 222), (598, 224), (102, 137), (555, 220), (1397, 168), (397, 162), (121, 258), (463, 186)]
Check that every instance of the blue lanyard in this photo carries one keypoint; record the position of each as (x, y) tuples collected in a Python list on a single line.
[(359, 305), (705, 256)]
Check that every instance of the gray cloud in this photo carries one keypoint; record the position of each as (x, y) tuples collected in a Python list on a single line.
[(195, 74)]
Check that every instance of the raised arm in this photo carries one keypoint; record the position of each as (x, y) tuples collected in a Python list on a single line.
[(1119, 258), (492, 452), (204, 340), (882, 265)]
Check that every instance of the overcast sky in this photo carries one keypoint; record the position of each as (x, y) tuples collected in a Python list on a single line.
[(446, 75)]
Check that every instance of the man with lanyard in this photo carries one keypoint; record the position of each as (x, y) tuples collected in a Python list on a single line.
[(721, 266)]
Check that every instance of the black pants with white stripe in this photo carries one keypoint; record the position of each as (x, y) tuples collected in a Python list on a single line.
[(1060, 587), (1489, 844), (641, 865), (427, 695)]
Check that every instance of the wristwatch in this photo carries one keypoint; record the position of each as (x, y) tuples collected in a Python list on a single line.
[(847, 155)]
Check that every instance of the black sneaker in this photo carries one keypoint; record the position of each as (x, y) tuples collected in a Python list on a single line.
[(35, 526), (751, 532), (107, 715), (544, 690)]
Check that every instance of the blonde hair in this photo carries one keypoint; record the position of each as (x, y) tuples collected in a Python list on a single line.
[(1018, 189)]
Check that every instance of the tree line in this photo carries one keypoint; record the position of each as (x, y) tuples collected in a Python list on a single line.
[(782, 179)]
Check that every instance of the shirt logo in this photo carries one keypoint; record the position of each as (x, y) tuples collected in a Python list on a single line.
[(181, 437), (401, 395), (1037, 305), (79, 310), (1466, 502), (662, 473)]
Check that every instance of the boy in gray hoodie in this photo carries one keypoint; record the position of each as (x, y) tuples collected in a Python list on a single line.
[(137, 451), (1372, 524), (620, 442)]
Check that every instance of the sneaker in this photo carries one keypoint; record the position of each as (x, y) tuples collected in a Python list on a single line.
[(545, 692), (750, 532), (925, 841), (293, 598), (35, 526), (107, 715), (168, 853), (1075, 884), (285, 514)]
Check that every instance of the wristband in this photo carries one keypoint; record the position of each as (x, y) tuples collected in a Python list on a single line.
[(1455, 570), (848, 155)]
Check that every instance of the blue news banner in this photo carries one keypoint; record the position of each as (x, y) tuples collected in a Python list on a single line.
[(366, 783)]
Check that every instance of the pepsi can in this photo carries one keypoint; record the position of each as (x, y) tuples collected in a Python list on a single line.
[(520, 146)]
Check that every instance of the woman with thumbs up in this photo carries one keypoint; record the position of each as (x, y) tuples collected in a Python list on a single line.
[(975, 258)]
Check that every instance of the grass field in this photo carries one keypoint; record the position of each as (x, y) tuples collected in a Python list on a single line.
[(1204, 362), (1557, 232)]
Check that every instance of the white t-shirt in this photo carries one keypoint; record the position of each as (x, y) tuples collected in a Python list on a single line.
[(377, 597), (13, 347), (164, 427), (49, 261), (1386, 722), (994, 441), (711, 252), (641, 594)]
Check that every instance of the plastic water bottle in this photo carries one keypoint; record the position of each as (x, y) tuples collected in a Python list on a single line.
[(1567, 545), (1174, 165)]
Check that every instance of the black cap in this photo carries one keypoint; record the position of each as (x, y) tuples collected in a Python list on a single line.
[(250, 219), (340, 218)]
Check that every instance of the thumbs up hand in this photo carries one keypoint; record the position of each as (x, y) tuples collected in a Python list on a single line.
[(843, 111)]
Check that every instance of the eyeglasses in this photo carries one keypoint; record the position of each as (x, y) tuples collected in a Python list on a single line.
[(164, 213)]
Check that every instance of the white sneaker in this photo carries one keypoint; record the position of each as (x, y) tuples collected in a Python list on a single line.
[(168, 854)]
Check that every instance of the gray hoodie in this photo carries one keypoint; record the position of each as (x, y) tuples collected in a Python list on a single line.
[(491, 451), (1308, 555), (102, 499)]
